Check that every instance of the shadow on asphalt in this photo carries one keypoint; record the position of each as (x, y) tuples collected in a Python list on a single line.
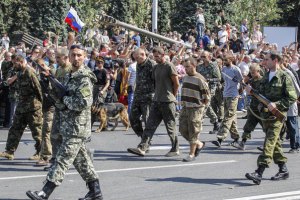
[(209, 181), (11, 169)]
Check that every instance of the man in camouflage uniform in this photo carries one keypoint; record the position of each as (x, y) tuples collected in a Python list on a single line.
[(211, 73), (277, 86), (48, 110), (12, 94), (28, 111), (143, 93), (252, 120), (217, 101), (163, 106), (64, 67), (6, 66), (75, 127)]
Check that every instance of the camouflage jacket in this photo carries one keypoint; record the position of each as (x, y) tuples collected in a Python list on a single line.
[(76, 118), (29, 90), (144, 85), (279, 90), (255, 84), (5, 68), (212, 74), (13, 93)]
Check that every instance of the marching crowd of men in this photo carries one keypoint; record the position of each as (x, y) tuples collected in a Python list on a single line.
[(159, 83)]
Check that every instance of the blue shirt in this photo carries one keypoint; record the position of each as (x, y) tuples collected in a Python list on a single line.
[(137, 38), (206, 41), (231, 88)]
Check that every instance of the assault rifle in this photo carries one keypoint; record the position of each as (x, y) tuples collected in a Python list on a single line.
[(58, 87), (279, 115)]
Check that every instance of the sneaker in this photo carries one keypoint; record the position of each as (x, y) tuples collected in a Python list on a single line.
[(42, 162), (217, 143), (189, 158), (292, 151), (243, 145), (34, 157), (198, 150), (8, 155), (172, 154), (136, 151), (236, 144)]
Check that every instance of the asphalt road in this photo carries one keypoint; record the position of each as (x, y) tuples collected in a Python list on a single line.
[(216, 174)]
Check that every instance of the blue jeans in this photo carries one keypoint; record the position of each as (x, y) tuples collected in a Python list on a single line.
[(241, 102), (130, 99), (200, 28), (293, 130), (13, 105)]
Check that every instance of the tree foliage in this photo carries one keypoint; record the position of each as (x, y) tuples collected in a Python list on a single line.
[(184, 17), (256, 11), (36, 16)]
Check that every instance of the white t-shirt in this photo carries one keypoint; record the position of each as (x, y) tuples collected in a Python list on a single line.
[(222, 35), (132, 76), (271, 75), (5, 42), (200, 19), (244, 67), (104, 39)]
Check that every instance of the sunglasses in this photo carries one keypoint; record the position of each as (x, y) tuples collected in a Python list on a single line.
[(77, 46)]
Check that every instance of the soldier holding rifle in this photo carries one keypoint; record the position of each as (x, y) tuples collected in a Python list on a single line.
[(278, 88)]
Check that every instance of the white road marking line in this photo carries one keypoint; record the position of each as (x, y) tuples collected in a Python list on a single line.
[(266, 196), (126, 169), (166, 147), (297, 197)]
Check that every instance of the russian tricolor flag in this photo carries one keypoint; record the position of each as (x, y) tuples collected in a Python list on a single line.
[(73, 20)]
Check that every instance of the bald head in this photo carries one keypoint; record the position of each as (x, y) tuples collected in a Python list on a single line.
[(140, 55), (62, 56)]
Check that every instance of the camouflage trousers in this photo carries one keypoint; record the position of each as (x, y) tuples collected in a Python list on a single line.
[(161, 111), (46, 149), (139, 109), (72, 151), (34, 120), (250, 124), (229, 123), (55, 136), (272, 144), (210, 113), (217, 103)]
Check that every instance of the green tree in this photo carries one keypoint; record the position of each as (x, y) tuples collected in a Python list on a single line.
[(289, 14), (164, 14), (254, 10), (184, 16)]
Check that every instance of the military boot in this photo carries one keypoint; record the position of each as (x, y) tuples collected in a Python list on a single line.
[(257, 175), (282, 174), (44, 193), (7, 154), (216, 128), (95, 191)]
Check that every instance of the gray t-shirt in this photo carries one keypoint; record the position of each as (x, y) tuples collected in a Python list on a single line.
[(231, 87), (163, 82)]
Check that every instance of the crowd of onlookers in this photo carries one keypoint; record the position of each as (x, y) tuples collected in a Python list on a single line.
[(244, 43)]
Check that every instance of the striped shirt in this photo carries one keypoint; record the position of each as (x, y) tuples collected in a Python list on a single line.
[(194, 91)]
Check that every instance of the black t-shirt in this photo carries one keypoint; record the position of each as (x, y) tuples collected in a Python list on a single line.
[(236, 46), (102, 76)]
